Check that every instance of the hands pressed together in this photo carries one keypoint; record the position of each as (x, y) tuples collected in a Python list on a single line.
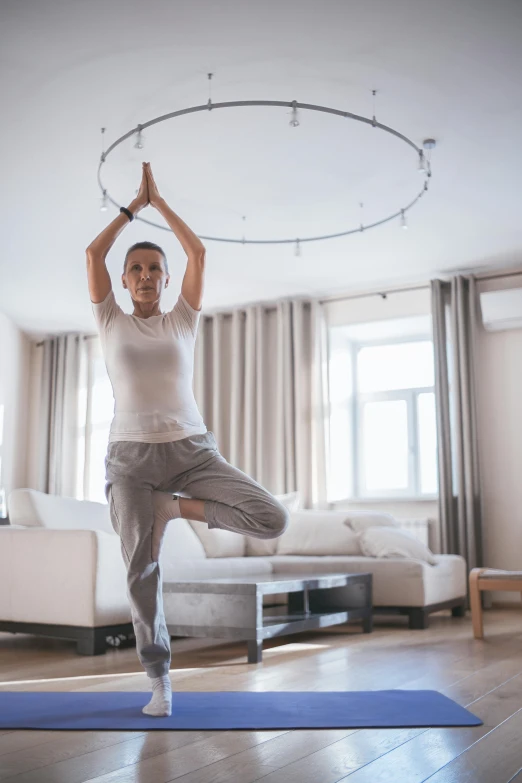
[(148, 192)]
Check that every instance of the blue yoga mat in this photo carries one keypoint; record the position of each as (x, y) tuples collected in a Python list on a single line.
[(233, 710)]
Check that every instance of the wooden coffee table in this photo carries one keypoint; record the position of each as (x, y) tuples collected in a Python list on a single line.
[(232, 608)]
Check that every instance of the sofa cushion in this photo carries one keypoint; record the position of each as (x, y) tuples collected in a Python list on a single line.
[(396, 582), (360, 520), (259, 547), (313, 532), (217, 542), (393, 542), (32, 508)]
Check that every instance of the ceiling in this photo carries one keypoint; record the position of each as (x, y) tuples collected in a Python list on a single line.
[(445, 69)]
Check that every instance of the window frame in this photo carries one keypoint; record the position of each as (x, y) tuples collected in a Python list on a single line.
[(410, 396)]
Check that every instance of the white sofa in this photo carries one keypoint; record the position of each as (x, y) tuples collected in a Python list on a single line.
[(62, 574)]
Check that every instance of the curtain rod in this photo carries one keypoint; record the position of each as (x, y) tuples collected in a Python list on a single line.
[(499, 275), (385, 293)]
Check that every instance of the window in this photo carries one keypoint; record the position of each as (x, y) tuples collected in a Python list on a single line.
[(383, 435), (395, 419)]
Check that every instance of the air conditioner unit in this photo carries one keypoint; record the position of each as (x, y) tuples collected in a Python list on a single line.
[(501, 310)]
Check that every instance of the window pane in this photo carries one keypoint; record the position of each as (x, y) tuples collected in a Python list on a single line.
[(340, 478), (385, 445), (398, 366), (427, 444), (340, 377)]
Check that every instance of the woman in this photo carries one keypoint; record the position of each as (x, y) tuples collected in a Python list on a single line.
[(158, 442)]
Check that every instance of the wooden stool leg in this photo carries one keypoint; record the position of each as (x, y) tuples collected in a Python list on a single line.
[(475, 603)]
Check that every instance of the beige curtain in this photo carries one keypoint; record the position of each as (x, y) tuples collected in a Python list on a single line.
[(58, 415), (455, 318), (261, 384)]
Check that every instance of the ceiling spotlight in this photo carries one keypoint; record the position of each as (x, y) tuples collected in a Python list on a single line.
[(139, 140), (294, 122), (404, 224), (429, 145), (104, 204), (297, 249), (422, 163)]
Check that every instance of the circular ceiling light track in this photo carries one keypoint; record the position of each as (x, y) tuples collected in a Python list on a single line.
[(423, 156)]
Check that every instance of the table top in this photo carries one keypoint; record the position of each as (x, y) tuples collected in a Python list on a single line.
[(265, 583)]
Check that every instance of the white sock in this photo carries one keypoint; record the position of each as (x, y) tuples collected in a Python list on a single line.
[(166, 507), (160, 705)]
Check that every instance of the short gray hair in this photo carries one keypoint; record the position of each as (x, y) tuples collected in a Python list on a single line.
[(145, 246)]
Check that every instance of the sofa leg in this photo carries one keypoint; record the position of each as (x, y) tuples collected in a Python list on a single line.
[(92, 642), (418, 619), (476, 603), (458, 611)]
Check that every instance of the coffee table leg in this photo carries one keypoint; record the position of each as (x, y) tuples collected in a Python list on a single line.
[(255, 651), (368, 620)]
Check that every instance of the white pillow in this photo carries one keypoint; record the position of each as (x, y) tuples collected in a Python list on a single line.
[(313, 532), (218, 542), (390, 541), (361, 520), (32, 508), (266, 547), (291, 500)]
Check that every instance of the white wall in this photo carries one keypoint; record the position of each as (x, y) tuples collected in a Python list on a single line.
[(373, 307), (499, 391), (15, 352)]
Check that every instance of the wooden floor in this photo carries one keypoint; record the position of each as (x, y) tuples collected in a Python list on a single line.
[(484, 675)]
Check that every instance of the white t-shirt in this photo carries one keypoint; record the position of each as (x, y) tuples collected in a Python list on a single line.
[(150, 363)]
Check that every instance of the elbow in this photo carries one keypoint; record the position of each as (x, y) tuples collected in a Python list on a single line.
[(199, 254), (93, 253)]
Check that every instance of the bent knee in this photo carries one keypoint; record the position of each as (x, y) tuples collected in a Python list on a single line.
[(279, 520)]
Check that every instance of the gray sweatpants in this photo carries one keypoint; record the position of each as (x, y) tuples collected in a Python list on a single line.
[(194, 468)]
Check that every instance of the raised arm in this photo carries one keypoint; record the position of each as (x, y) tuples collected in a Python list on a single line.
[(192, 286), (97, 273)]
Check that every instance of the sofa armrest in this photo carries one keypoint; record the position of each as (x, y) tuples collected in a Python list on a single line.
[(62, 577)]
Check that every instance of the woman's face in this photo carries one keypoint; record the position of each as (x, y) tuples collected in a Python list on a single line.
[(145, 275)]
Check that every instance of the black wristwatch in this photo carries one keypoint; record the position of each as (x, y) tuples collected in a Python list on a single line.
[(127, 212)]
